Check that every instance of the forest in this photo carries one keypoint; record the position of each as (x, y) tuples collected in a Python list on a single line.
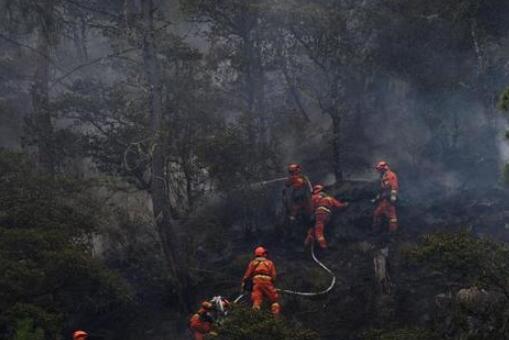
[(148, 147)]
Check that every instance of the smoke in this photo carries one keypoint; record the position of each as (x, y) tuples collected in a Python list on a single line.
[(419, 109)]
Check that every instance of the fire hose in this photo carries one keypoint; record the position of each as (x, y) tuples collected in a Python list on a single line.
[(307, 294)]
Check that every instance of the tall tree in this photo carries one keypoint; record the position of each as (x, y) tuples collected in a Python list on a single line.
[(46, 35), (239, 39), (158, 180), (336, 42), (44, 23)]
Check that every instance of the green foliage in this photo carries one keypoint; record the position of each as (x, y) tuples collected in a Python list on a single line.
[(229, 161), (25, 330), (481, 268), (40, 317), (48, 271), (464, 258), (244, 323)]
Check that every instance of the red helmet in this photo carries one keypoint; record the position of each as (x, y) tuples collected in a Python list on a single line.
[(293, 168), (260, 251), (79, 335), (317, 188), (382, 166)]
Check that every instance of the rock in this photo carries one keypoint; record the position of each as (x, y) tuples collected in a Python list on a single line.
[(381, 270), (470, 297)]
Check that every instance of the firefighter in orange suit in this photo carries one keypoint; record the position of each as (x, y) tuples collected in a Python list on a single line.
[(297, 194), (323, 206), (261, 274), (386, 199), (202, 322)]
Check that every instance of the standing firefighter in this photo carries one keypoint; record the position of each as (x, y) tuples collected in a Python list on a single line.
[(204, 320), (297, 194), (323, 205), (386, 199), (259, 278)]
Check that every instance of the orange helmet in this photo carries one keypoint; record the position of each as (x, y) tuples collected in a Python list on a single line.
[(293, 168), (260, 251), (79, 335), (382, 166), (317, 188)]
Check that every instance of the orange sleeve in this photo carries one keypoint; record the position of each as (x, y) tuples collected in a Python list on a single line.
[(249, 271), (337, 203), (198, 325), (195, 321), (315, 199)]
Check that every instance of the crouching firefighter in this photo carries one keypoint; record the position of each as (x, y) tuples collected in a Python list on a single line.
[(259, 279), (297, 194), (323, 205), (206, 319), (386, 199)]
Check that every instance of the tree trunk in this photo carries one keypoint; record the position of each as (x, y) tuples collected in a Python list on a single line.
[(488, 168), (259, 89), (41, 118), (249, 88), (158, 185), (254, 91), (337, 156)]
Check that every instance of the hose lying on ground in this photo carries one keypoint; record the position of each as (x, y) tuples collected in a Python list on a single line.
[(322, 292), (293, 292)]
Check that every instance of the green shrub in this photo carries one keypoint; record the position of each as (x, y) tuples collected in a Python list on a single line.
[(244, 323), (25, 330), (49, 274)]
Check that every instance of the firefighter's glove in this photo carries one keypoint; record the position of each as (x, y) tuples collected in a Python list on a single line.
[(213, 333), (394, 196)]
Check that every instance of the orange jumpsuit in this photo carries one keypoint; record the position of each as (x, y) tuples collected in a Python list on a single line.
[(386, 207), (298, 196), (323, 205), (201, 324), (263, 273)]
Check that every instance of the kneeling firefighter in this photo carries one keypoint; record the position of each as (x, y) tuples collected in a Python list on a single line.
[(323, 205), (204, 321), (259, 278)]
